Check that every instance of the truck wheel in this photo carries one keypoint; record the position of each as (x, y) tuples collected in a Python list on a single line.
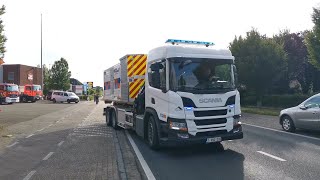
[(108, 118), (114, 120), (152, 135), (54, 101), (24, 99), (68, 101)]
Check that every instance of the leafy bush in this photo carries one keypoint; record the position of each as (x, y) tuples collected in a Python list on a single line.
[(279, 101)]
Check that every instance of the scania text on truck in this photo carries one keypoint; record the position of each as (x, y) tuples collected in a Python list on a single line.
[(9, 93), (30, 92), (181, 93)]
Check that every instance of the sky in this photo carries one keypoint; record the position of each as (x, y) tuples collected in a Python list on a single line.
[(94, 34)]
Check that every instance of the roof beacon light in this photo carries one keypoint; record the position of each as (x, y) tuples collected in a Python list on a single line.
[(177, 41)]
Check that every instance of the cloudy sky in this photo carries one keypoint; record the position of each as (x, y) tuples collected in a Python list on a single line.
[(93, 34)]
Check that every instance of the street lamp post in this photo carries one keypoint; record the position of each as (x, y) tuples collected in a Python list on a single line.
[(41, 57)]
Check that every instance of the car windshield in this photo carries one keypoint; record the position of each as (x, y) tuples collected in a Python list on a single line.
[(71, 94), (12, 88), (36, 88), (196, 75)]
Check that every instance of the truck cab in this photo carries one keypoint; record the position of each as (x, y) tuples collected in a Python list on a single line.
[(31, 92), (192, 92), (9, 93)]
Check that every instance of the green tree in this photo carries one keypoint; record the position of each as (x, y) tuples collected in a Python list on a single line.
[(297, 58), (46, 79), (261, 62), (313, 40), (3, 38), (59, 75)]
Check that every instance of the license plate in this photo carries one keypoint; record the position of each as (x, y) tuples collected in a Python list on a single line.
[(213, 140), (13, 100)]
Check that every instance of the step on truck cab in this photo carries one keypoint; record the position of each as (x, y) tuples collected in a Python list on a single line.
[(181, 93), (30, 92), (9, 93)]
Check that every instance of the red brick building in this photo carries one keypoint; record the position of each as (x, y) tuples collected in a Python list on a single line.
[(20, 74)]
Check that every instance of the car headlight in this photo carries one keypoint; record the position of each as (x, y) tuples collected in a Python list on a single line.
[(181, 126)]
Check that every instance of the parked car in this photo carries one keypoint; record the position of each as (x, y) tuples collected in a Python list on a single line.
[(304, 116), (62, 96)]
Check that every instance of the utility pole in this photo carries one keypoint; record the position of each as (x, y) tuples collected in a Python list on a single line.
[(41, 57)]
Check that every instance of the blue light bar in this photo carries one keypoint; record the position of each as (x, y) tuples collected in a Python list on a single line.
[(174, 41)]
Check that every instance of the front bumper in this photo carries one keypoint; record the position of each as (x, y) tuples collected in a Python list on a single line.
[(174, 139), (74, 100), (12, 100)]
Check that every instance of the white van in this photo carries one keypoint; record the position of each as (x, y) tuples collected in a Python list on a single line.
[(62, 96)]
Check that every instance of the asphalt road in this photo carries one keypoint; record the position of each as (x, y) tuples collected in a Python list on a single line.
[(21, 112), (262, 154)]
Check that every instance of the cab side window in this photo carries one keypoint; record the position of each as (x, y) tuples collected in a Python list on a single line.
[(28, 88), (157, 75), (65, 94)]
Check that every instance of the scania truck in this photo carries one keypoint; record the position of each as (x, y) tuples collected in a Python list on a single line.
[(181, 93)]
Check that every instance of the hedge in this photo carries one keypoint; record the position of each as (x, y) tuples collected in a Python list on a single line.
[(277, 101)]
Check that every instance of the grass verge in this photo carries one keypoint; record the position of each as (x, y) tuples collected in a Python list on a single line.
[(262, 111)]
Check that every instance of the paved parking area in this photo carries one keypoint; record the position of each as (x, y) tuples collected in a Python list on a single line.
[(21, 112)]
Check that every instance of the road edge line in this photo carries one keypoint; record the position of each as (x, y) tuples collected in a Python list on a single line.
[(142, 161), (300, 135)]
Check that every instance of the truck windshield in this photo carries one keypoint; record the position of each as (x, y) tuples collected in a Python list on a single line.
[(12, 88), (36, 88), (199, 75)]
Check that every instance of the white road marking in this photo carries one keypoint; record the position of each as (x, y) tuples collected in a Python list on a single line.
[(300, 135), (143, 163), (30, 135), (60, 143), (41, 129), (48, 156), (272, 156), (29, 175), (13, 144)]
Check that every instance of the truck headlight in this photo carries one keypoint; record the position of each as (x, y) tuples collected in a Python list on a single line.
[(181, 126)]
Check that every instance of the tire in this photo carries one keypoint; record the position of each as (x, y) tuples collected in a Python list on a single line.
[(54, 101), (108, 118), (24, 99), (287, 124), (114, 120), (68, 101), (152, 134)]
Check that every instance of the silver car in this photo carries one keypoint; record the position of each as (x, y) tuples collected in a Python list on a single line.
[(304, 116)]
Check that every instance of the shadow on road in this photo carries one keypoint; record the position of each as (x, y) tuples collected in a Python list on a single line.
[(193, 162)]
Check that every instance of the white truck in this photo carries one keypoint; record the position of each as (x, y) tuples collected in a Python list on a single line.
[(181, 93)]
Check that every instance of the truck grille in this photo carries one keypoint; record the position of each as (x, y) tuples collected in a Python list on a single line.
[(211, 133), (210, 121), (210, 113), (13, 96)]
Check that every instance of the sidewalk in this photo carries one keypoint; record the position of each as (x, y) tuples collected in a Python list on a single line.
[(93, 151)]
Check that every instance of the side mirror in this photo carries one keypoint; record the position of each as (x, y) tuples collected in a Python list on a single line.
[(164, 90), (303, 107)]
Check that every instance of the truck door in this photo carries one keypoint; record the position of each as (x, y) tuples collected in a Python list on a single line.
[(156, 89)]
